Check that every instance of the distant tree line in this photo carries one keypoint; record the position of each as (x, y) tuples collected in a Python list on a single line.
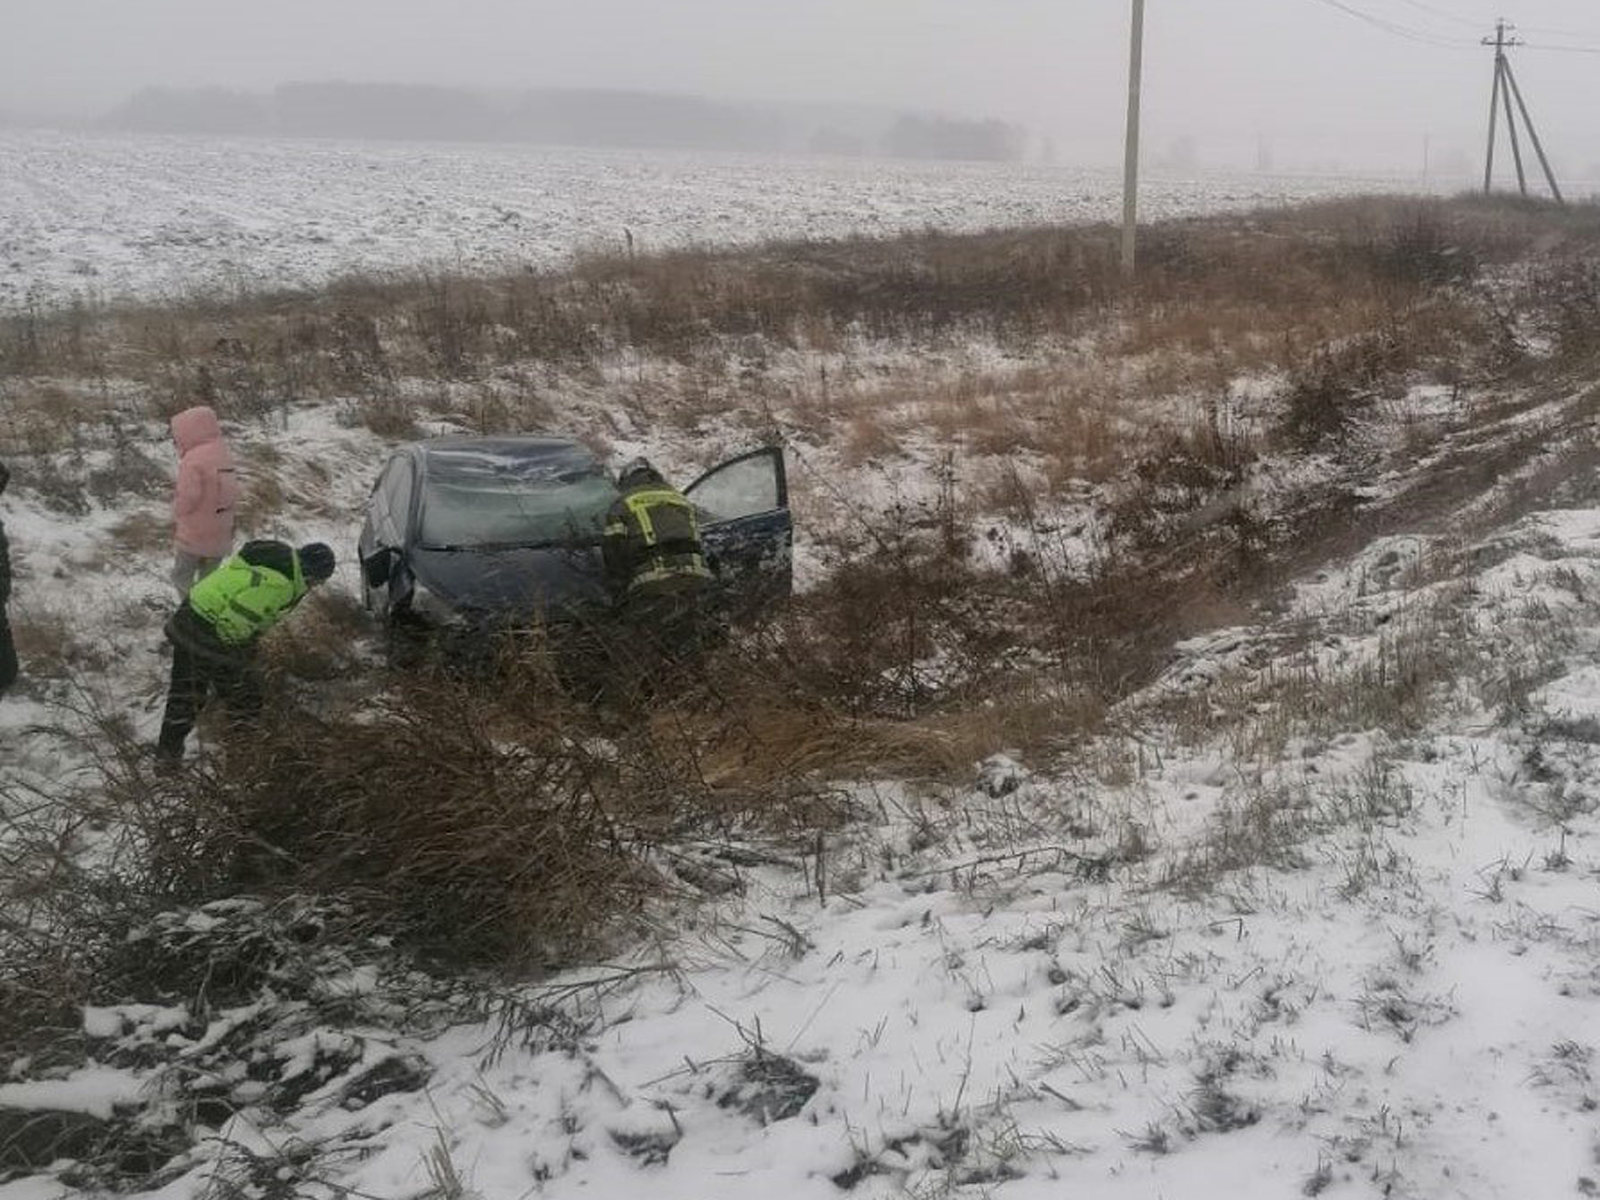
[(941, 137), (194, 110), (565, 116)]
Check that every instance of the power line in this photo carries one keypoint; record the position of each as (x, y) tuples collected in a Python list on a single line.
[(1545, 31), (1429, 37), (1449, 16), (1402, 31), (1562, 49), (1592, 36)]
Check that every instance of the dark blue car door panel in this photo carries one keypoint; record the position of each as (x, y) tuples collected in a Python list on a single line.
[(747, 529), (752, 558)]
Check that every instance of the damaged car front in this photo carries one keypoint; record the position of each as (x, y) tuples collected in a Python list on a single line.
[(467, 539)]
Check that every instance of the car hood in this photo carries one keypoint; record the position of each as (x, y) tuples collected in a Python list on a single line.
[(516, 582)]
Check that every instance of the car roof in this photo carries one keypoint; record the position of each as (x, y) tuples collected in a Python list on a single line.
[(526, 455), (502, 446)]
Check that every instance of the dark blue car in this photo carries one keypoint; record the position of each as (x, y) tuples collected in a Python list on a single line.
[(470, 534)]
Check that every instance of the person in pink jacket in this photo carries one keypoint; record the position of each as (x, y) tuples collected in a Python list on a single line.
[(203, 501)]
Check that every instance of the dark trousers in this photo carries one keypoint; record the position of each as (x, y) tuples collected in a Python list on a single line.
[(196, 674), (8, 655)]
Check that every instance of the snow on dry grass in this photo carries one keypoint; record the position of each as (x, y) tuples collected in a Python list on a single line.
[(1360, 963), (1178, 767)]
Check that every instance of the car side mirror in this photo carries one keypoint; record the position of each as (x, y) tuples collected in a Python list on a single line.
[(380, 566)]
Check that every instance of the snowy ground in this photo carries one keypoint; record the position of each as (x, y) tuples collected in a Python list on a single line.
[(148, 216), (1255, 944), (1314, 917)]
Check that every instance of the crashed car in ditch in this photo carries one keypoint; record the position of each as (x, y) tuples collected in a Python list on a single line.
[(469, 535)]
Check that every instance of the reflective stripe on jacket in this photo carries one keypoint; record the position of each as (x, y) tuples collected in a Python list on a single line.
[(652, 541), (241, 600)]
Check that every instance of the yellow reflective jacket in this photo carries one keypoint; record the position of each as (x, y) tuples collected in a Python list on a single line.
[(242, 599)]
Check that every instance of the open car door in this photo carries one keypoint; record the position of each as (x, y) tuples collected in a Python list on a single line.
[(743, 509)]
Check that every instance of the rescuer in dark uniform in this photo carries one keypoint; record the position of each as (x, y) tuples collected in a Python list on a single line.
[(657, 572)]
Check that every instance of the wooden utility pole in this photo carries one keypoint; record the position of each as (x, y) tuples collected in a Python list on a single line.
[(1130, 181)]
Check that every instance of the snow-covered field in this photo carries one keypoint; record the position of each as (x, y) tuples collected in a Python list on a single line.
[(155, 217)]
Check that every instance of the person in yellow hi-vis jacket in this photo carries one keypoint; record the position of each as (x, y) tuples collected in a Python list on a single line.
[(656, 569), (216, 628)]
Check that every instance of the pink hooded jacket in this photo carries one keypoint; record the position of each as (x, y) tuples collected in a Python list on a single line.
[(208, 487)]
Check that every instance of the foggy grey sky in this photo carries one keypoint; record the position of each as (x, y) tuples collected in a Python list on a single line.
[(1223, 72)]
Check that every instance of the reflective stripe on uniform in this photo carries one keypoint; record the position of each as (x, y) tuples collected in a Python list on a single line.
[(660, 526), (690, 566), (641, 503)]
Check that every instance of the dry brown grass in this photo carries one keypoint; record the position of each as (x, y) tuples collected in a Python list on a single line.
[(1208, 288), (142, 532), (481, 823), (387, 416), (1073, 412), (1020, 350), (324, 641), (464, 846), (40, 418), (488, 820), (52, 645), (766, 742), (271, 482)]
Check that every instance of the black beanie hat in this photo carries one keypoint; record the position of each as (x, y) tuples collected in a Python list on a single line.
[(316, 561)]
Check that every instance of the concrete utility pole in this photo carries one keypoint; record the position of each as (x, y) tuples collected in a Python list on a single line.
[(1511, 127), (1505, 91), (1499, 45), (1130, 182), (1533, 136)]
